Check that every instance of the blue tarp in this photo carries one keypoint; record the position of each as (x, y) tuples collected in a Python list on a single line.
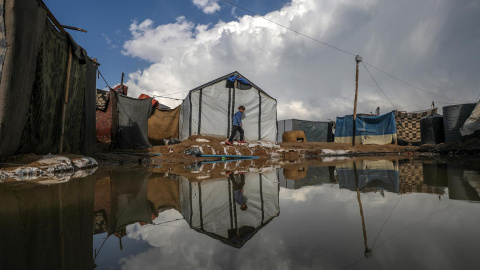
[(240, 79), (366, 126)]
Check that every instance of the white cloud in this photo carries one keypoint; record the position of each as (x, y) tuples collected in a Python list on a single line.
[(207, 6), (430, 44)]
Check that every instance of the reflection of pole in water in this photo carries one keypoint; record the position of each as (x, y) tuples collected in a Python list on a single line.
[(368, 252)]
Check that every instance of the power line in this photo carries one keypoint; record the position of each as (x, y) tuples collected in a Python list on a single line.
[(336, 48), (379, 86), (288, 28), (411, 85)]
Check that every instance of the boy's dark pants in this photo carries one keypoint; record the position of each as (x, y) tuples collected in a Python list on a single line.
[(234, 132)]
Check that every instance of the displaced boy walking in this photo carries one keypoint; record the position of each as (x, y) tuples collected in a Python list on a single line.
[(237, 126)]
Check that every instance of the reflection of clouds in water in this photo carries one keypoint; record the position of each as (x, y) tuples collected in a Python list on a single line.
[(320, 227)]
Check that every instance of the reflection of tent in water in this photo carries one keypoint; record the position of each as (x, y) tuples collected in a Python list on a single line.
[(47, 226), (412, 178), (210, 206), (300, 176), (463, 181), (129, 201), (378, 174)]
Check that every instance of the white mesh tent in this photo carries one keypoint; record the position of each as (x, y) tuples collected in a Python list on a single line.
[(208, 109)]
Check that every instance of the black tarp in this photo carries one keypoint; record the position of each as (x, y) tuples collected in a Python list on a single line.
[(130, 121)]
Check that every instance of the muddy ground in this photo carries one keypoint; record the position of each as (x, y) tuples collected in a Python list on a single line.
[(173, 159)]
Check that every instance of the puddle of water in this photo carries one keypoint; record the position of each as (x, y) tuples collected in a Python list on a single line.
[(340, 214)]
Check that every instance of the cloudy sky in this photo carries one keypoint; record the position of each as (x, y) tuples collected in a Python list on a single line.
[(302, 52)]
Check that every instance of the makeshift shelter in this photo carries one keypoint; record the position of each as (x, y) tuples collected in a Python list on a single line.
[(454, 117), (368, 130), (209, 108), (472, 123), (371, 175), (315, 131), (209, 206), (104, 113), (163, 124), (408, 125), (36, 103), (130, 121)]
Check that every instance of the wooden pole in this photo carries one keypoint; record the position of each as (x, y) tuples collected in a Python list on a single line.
[(67, 90), (358, 59)]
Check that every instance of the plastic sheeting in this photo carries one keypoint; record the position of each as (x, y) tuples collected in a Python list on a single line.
[(369, 129), (472, 123), (209, 206), (209, 110), (454, 116), (380, 174), (315, 131)]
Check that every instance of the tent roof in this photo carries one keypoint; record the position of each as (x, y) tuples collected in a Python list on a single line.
[(224, 78)]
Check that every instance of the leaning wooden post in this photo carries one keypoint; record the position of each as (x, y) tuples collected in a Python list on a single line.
[(67, 90), (358, 59)]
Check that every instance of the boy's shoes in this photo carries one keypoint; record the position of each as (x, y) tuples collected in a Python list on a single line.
[(242, 142), (228, 142)]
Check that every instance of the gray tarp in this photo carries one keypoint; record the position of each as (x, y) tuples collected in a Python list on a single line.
[(315, 131), (130, 121)]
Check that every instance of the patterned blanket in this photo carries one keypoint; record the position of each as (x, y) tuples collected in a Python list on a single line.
[(408, 124), (102, 99)]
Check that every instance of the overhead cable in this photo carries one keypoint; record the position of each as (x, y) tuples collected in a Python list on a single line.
[(336, 48), (379, 86), (288, 28), (418, 88)]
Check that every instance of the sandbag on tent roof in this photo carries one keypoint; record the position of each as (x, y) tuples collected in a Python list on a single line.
[(130, 121), (408, 124), (209, 206), (208, 109), (369, 129), (315, 131), (379, 174)]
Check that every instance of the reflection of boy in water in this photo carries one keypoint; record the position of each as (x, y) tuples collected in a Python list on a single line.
[(238, 181)]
